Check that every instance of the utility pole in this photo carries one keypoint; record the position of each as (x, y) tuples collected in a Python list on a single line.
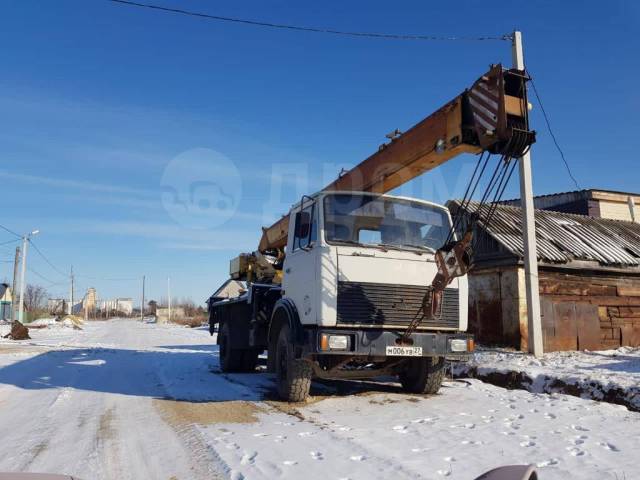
[(142, 303), (25, 241), (534, 334), (14, 290), (71, 294), (169, 296)]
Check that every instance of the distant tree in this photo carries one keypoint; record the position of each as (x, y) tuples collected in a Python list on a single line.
[(189, 306), (35, 298)]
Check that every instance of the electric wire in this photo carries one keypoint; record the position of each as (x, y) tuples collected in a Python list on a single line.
[(388, 36), (11, 231), (553, 137), (47, 260), (51, 282), (10, 241)]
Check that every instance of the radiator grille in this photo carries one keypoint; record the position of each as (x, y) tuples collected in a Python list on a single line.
[(391, 304)]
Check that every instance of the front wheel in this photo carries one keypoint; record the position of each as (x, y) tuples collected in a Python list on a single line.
[(422, 375), (293, 375)]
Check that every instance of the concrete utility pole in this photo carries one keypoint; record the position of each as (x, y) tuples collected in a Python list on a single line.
[(25, 242), (71, 294), (14, 290), (142, 302), (169, 296), (534, 335)]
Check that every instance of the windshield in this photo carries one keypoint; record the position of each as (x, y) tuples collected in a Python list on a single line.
[(377, 220)]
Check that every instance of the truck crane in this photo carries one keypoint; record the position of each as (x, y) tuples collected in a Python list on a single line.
[(356, 283)]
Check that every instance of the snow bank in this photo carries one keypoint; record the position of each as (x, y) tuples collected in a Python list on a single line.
[(609, 375)]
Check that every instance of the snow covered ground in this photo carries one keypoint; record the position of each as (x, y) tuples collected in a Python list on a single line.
[(121, 399), (613, 375)]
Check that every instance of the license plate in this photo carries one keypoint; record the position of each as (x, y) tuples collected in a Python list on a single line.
[(393, 351)]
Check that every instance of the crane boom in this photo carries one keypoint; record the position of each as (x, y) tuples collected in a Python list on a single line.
[(491, 116)]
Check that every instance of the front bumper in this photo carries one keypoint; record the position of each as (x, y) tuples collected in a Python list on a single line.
[(374, 343)]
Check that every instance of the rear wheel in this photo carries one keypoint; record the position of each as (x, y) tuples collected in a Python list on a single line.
[(293, 375), (231, 359), (422, 375)]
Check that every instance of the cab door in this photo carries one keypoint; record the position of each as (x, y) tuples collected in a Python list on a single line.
[(300, 265)]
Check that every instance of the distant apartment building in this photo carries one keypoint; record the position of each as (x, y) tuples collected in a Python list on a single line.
[(90, 300), (57, 306), (120, 305)]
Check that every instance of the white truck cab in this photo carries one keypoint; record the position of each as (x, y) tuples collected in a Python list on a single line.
[(360, 259)]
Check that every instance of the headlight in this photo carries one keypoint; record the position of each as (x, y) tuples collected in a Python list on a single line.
[(334, 342), (338, 342), (458, 345)]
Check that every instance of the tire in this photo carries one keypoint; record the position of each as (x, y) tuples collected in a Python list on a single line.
[(293, 376), (231, 359), (422, 375)]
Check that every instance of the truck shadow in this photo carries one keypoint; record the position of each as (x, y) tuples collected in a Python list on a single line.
[(186, 373)]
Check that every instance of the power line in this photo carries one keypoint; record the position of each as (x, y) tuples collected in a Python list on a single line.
[(10, 241), (51, 282), (546, 119), (388, 36), (11, 231), (47, 260)]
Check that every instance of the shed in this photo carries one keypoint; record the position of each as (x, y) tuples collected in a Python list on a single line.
[(589, 274)]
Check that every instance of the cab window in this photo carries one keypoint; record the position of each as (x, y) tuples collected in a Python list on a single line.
[(305, 229)]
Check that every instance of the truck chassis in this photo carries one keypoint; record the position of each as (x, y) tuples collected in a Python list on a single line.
[(261, 319)]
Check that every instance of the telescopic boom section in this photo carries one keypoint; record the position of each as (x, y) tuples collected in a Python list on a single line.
[(490, 116)]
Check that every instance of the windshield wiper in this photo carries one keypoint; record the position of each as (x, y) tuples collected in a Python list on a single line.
[(395, 246), (421, 247), (348, 242), (407, 246), (379, 246)]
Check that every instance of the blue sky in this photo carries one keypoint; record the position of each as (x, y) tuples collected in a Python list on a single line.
[(105, 110)]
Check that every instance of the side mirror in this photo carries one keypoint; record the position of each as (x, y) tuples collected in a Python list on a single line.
[(511, 472), (303, 224)]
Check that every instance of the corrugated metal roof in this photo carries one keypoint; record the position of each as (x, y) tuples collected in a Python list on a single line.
[(563, 237)]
